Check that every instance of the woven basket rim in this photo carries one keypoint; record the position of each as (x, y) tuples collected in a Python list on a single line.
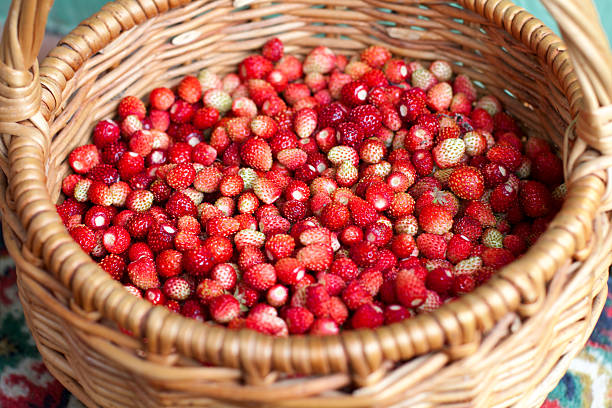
[(510, 277)]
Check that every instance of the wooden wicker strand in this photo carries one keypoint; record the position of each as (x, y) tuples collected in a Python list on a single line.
[(128, 47)]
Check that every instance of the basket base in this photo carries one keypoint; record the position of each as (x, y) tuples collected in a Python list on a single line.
[(67, 365)]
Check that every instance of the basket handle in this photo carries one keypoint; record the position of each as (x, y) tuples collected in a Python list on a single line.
[(21, 40), (589, 49)]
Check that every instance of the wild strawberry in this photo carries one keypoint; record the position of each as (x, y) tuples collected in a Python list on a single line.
[(224, 308), (139, 200), (161, 98), (423, 78), (409, 289), (207, 180), (266, 191), (263, 126), (367, 117), (475, 143), (448, 152), (506, 156), (305, 122), (435, 219), (439, 96), (346, 174), (354, 93), (395, 70), (464, 85), (177, 288), (299, 320), (496, 257), (548, 169), (114, 265), (254, 67), (481, 212), (260, 277), (142, 274), (362, 212), (106, 133), (320, 59), (131, 105), (375, 56), (116, 239), (84, 158), (280, 246), (460, 104), (367, 316), (467, 183), (431, 246), (535, 199), (355, 295)]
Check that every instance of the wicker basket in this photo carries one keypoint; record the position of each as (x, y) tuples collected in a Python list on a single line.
[(506, 344)]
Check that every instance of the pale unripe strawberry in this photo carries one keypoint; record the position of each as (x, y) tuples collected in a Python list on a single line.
[(475, 143), (439, 96), (449, 152), (442, 70)]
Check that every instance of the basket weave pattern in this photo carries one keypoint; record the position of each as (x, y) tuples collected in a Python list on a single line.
[(506, 344)]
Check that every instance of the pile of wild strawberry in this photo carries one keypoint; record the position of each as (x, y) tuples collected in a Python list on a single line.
[(306, 197)]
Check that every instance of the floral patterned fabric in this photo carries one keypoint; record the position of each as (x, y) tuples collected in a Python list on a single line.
[(25, 382)]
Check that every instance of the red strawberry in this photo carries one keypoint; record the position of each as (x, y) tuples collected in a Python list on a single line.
[(481, 212), (435, 219), (131, 105), (114, 265), (116, 239), (440, 280), (439, 96), (197, 261), (289, 270), (355, 295), (362, 212), (367, 316), (467, 183), (273, 49), (368, 117), (315, 257), (299, 320), (168, 263), (505, 155), (431, 246), (224, 308), (354, 93), (409, 289), (459, 248), (142, 274), (548, 169), (84, 158), (254, 67), (84, 236), (375, 56), (231, 185), (535, 199), (266, 323), (305, 122), (161, 98), (106, 133), (280, 246), (496, 257), (464, 85), (208, 290), (260, 277)]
